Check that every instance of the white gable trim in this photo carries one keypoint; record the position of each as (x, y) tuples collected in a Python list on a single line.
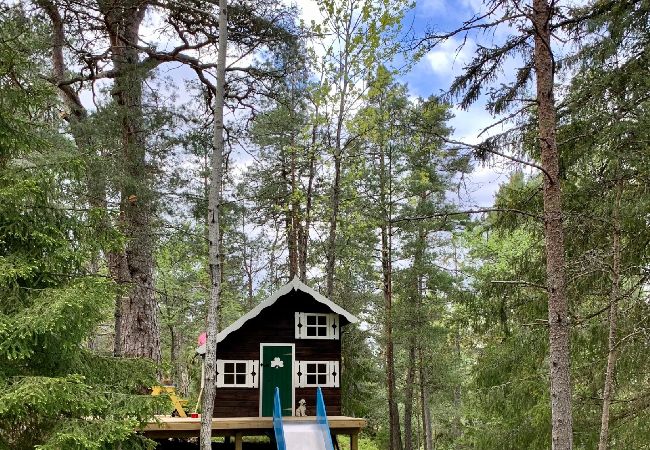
[(295, 284)]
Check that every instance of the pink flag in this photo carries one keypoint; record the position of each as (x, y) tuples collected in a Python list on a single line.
[(202, 338)]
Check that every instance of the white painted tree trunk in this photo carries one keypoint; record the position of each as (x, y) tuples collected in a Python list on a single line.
[(214, 199)]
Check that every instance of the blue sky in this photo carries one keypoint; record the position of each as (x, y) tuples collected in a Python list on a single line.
[(434, 73)]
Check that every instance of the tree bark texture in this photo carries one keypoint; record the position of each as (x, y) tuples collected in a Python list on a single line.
[(247, 263), (96, 185), (296, 221), (137, 328), (344, 66), (214, 257), (179, 374), (608, 390), (304, 241), (426, 409), (456, 427), (558, 312), (387, 275), (416, 308), (409, 389), (331, 244)]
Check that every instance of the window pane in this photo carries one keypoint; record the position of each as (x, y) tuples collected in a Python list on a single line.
[(241, 378), (311, 320), (228, 379), (322, 320), (311, 331), (241, 367), (311, 368), (311, 379), (322, 379), (322, 331), (229, 367), (322, 368)]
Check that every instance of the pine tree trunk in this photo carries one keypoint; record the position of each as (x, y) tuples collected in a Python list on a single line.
[(293, 222), (558, 313), (139, 332), (214, 257), (304, 241), (247, 262), (393, 411), (331, 245), (456, 424), (338, 155), (175, 356), (608, 390), (387, 274), (426, 410), (408, 397), (416, 308)]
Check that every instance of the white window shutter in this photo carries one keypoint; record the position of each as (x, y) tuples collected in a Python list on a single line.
[(334, 326), (219, 373), (298, 374), (300, 325), (252, 373), (333, 374)]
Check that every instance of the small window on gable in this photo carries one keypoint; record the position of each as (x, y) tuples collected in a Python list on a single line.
[(317, 326), (231, 373)]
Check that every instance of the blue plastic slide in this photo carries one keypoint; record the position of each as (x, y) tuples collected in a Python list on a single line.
[(302, 434)]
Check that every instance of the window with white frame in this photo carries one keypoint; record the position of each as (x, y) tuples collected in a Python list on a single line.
[(237, 373), (317, 373), (317, 326)]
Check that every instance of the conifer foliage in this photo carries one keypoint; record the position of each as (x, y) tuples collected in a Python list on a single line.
[(54, 393)]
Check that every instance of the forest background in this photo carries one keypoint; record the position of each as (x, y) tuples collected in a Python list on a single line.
[(394, 156)]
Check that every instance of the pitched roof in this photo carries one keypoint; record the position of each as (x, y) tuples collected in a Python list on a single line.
[(294, 284)]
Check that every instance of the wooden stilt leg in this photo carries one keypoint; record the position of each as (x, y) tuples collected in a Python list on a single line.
[(238, 441), (354, 441)]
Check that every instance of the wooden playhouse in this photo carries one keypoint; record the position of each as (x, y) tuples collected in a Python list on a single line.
[(291, 340)]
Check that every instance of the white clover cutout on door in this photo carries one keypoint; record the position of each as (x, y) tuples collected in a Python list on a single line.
[(277, 363)]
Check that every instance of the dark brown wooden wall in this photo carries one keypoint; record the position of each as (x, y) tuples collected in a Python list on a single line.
[(275, 324)]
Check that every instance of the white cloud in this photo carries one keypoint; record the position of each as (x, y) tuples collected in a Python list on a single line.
[(450, 56), (309, 11), (468, 123), (480, 187)]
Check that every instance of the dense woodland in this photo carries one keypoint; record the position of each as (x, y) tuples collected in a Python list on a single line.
[(136, 210)]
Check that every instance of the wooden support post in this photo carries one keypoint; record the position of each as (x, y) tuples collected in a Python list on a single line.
[(238, 441), (354, 440)]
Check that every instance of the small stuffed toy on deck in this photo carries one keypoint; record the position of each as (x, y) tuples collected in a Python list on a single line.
[(301, 411)]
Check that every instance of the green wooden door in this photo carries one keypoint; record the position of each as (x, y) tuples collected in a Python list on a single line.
[(277, 370)]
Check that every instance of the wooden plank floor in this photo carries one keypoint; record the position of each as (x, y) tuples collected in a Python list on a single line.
[(176, 427)]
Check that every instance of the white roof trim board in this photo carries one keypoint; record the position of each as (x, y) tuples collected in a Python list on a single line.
[(294, 284)]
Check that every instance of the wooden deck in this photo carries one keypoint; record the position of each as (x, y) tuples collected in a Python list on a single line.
[(176, 427)]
